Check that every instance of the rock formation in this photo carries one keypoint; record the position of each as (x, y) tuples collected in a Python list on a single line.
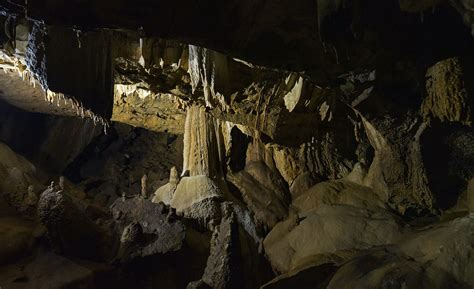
[(165, 193), (236, 144)]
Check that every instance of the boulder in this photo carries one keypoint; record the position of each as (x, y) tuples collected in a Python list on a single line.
[(387, 268), (335, 218), (191, 190), (233, 258), (70, 230), (222, 270), (147, 228), (17, 174), (301, 184), (267, 207), (437, 256), (338, 192), (449, 91), (447, 247)]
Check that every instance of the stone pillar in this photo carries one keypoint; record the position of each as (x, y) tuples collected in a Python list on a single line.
[(203, 144)]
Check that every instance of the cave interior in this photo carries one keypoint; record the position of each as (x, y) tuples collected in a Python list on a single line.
[(239, 144)]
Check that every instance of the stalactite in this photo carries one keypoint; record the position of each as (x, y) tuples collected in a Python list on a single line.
[(78, 37), (15, 66), (142, 59)]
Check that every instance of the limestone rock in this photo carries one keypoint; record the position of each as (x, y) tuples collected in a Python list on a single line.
[(70, 230), (358, 174), (137, 106), (203, 144), (421, 259), (147, 228), (233, 258), (266, 205), (405, 187), (301, 184), (448, 87), (269, 179), (445, 247), (165, 193), (119, 159), (222, 270), (328, 230), (331, 218), (91, 81), (210, 69), (17, 175), (198, 285), (191, 190), (338, 192), (374, 96), (287, 163), (329, 153), (380, 268), (60, 139), (205, 213)]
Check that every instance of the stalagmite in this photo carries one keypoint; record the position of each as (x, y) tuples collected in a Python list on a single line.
[(165, 193), (142, 59), (144, 186), (61, 183)]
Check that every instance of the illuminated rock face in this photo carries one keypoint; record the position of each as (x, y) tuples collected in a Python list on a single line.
[(448, 92), (285, 144)]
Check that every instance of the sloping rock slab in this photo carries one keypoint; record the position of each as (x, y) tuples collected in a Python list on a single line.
[(161, 231)]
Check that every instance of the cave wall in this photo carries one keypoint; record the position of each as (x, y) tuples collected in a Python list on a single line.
[(52, 142)]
